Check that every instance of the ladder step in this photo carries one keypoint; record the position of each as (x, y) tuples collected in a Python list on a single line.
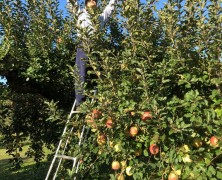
[(76, 112), (66, 157)]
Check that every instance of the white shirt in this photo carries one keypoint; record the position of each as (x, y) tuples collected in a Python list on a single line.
[(84, 20)]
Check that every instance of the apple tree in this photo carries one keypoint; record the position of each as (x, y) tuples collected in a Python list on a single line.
[(158, 94), (157, 111)]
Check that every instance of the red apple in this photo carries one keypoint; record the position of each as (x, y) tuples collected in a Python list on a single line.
[(146, 115), (109, 123), (90, 122), (154, 149), (173, 176), (214, 141), (101, 139), (133, 131), (96, 113), (115, 165)]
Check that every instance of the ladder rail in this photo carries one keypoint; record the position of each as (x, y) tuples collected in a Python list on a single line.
[(60, 160), (60, 141), (75, 158), (82, 139)]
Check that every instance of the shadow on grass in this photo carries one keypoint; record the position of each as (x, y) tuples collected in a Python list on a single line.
[(2, 146), (25, 173)]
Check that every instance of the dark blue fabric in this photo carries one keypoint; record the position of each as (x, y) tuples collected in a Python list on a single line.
[(81, 61)]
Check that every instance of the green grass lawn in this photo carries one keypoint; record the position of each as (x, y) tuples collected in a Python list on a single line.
[(28, 171)]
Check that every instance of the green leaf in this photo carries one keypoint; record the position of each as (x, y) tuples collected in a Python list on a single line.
[(145, 153), (219, 112), (211, 170), (219, 175)]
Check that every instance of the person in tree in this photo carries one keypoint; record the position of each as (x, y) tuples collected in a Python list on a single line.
[(84, 22)]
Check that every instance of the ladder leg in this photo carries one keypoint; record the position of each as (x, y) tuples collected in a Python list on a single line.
[(80, 141), (60, 161), (60, 142), (57, 150), (82, 138)]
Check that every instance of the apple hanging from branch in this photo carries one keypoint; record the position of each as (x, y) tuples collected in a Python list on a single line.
[(197, 142), (146, 115), (115, 165), (109, 124), (101, 139), (134, 131), (214, 141), (96, 114), (173, 176), (154, 149)]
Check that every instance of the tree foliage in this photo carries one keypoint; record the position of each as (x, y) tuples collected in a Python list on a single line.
[(36, 66), (163, 61)]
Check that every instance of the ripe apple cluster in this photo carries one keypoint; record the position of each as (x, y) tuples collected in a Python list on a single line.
[(153, 148)]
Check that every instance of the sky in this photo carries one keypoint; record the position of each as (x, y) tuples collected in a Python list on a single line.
[(63, 3)]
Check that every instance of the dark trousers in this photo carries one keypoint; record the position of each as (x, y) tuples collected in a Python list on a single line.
[(81, 63)]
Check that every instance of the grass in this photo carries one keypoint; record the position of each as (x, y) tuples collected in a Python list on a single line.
[(26, 172)]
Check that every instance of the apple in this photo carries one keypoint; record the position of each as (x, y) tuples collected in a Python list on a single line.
[(163, 154), (178, 172), (123, 164), (89, 119), (111, 143), (90, 122), (115, 165), (146, 115), (138, 152), (118, 147), (129, 170), (96, 114), (186, 159), (109, 123), (132, 113), (173, 176), (197, 142), (100, 151), (185, 148), (154, 149), (120, 176), (133, 131), (214, 141), (101, 139)]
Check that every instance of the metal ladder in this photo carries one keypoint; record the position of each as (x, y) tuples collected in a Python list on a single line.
[(61, 156)]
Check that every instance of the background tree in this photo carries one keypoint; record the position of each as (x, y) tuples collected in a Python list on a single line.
[(37, 48)]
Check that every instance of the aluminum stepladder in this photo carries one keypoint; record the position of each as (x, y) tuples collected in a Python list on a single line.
[(61, 156)]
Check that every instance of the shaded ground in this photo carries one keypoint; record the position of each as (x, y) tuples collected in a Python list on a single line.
[(28, 170)]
